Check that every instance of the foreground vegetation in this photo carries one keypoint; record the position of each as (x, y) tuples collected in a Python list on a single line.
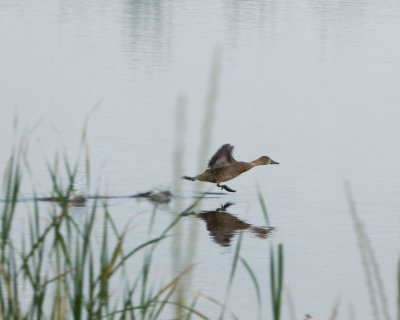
[(58, 269)]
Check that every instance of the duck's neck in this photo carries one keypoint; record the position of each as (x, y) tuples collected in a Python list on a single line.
[(256, 162), (245, 166)]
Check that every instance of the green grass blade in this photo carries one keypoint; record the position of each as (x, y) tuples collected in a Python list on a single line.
[(255, 283), (264, 208), (232, 274)]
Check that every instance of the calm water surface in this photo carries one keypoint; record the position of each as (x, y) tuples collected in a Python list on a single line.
[(313, 84)]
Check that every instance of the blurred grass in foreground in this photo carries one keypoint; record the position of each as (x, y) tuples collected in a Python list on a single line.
[(60, 269), (373, 278), (73, 267)]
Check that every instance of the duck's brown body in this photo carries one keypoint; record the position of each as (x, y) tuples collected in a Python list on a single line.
[(217, 175), (223, 167)]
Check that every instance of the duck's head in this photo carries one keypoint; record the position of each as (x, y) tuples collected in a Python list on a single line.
[(264, 160)]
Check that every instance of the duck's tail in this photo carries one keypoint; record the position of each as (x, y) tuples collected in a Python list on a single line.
[(189, 178)]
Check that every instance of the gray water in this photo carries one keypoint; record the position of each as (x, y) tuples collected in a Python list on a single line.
[(312, 84)]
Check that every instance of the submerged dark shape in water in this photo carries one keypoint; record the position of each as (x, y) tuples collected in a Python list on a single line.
[(223, 167), (223, 225), (77, 201), (155, 196)]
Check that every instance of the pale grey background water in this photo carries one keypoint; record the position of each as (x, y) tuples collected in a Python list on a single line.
[(313, 84)]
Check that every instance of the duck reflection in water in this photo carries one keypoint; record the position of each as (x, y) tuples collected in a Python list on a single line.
[(223, 226)]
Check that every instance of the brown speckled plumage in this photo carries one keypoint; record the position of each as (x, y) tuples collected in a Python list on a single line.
[(223, 167)]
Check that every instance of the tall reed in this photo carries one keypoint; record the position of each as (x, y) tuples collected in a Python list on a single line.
[(373, 278)]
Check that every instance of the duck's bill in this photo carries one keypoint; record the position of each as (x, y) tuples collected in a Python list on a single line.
[(274, 162)]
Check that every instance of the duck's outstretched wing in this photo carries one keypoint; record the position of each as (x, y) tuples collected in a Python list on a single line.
[(222, 158)]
